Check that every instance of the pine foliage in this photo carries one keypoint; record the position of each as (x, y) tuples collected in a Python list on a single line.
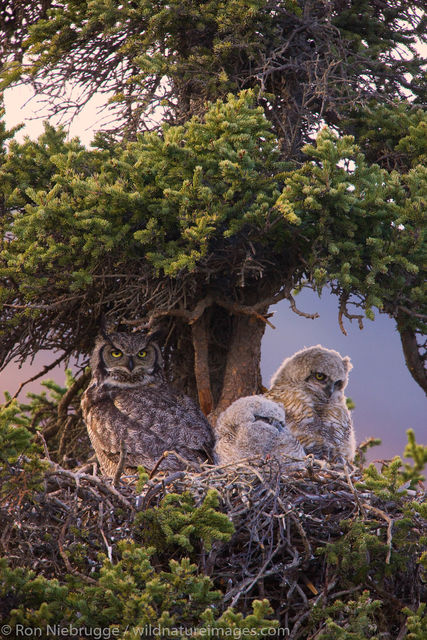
[(306, 60), (179, 521), (210, 194), (178, 208)]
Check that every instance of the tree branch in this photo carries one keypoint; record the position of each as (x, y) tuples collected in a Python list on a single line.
[(70, 393), (294, 308), (414, 360), (344, 312), (46, 368), (201, 364)]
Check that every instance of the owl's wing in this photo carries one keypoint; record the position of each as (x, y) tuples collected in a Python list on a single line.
[(194, 414), (338, 428), (266, 439), (170, 418), (303, 420), (255, 439), (324, 430), (110, 429), (329, 434)]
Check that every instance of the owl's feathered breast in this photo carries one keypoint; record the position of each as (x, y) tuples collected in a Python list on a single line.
[(149, 419), (299, 405), (323, 428)]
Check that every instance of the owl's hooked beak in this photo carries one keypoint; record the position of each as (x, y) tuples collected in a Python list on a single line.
[(277, 424), (131, 364), (334, 386), (330, 388)]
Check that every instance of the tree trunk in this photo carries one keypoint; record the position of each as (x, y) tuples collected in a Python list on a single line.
[(242, 375), (215, 358), (411, 350), (201, 364)]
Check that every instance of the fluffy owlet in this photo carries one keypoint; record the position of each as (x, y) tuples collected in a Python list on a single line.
[(256, 426), (310, 385), (132, 412)]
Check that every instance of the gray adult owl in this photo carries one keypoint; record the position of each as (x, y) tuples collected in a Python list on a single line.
[(131, 411), (310, 385), (256, 426)]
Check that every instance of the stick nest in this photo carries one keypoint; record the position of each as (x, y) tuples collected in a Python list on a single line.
[(284, 526)]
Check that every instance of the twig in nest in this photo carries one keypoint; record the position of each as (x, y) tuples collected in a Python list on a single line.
[(298, 622), (45, 449), (353, 490), (63, 439), (102, 484), (153, 489), (247, 585), (308, 551), (165, 454), (101, 530), (5, 537)]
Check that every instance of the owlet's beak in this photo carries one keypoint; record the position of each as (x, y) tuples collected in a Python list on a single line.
[(330, 388)]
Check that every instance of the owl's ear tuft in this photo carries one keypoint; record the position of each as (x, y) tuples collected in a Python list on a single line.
[(156, 334), (347, 364), (151, 339), (106, 327)]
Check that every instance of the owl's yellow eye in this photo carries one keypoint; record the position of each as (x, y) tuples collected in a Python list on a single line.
[(319, 376), (116, 353), (142, 354)]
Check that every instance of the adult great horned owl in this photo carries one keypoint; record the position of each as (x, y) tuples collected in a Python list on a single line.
[(256, 426), (310, 386), (132, 413)]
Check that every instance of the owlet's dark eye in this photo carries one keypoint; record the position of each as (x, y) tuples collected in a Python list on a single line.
[(116, 353), (319, 376), (141, 354)]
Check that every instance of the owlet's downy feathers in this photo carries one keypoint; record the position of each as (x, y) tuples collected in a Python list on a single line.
[(310, 386), (133, 415), (256, 426)]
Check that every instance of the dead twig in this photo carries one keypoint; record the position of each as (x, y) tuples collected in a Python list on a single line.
[(103, 484)]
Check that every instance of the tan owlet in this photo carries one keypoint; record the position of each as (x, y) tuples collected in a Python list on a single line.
[(133, 414), (256, 426), (310, 385)]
